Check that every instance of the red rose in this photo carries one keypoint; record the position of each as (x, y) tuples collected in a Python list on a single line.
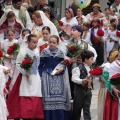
[(72, 47), (1, 54), (96, 71), (100, 33), (60, 23), (10, 50), (101, 23), (67, 62), (61, 39), (118, 33), (26, 61)]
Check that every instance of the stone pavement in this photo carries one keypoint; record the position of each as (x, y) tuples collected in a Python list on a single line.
[(94, 100)]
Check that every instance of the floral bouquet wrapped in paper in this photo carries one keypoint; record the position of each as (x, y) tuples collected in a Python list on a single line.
[(27, 63), (13, 49), (75, 49), (62, 64)]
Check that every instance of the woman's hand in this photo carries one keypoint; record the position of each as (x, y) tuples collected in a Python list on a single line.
[(59, 70), (73, 59), (6, 71), (116, 92)]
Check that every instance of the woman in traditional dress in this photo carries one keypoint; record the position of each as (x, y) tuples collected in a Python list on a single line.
[(9, 20), (112, 106), (41, 20), (96, 14), (69, 20)]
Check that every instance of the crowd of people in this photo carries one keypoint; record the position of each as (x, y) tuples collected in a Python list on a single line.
[(45, 63)]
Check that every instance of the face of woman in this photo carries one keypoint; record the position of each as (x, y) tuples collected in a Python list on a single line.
[(79, 12), (95, 10), (36, 20), (67, 14)]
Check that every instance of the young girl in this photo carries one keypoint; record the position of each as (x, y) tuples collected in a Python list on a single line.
[(97, 41), (23, 34), (25, 100), (43, 42), (55, 89), (112, 40), (86, 33), (8, 60)]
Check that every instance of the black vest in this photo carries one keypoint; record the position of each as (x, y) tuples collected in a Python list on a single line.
[(83, 74)]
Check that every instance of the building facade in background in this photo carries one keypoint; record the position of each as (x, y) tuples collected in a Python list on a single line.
[(60, 5)]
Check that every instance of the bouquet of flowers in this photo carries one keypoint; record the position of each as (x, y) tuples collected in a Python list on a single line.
[(115, 80), (13, 49), (62, 64), (96, 72), (100, 33), (58, 23), (27, 63), (118, 35), (75, 49)]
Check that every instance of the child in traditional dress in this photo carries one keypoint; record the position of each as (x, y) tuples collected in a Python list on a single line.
[(3, 79), (9, 61), (55, 88), (25, 99), (43, 42), (82, 93), (97, 41), (86, 33), (112, 41), (23, 34)]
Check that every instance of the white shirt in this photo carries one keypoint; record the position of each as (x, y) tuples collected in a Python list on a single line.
[(76, 74), (114, 68), (90, 48), (87, 37), (30, 86)]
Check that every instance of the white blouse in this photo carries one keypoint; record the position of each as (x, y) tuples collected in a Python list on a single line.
[(76, 74)]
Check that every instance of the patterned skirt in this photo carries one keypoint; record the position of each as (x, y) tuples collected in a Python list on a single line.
[(56, 92)]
